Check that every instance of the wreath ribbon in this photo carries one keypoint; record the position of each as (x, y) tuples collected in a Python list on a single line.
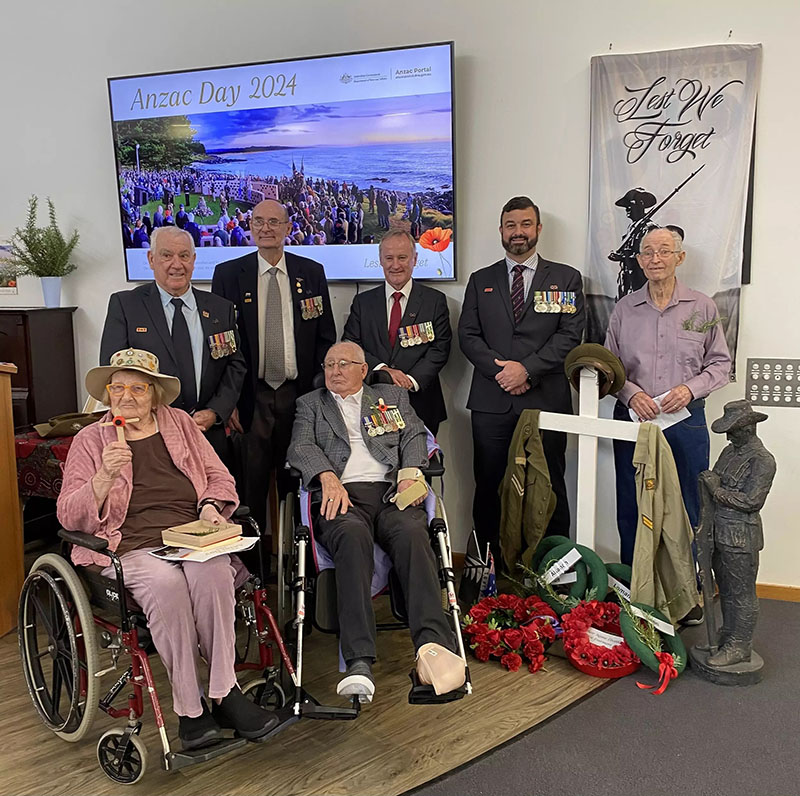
[(666, 672)]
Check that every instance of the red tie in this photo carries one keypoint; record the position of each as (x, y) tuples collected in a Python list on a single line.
[(394, 318)]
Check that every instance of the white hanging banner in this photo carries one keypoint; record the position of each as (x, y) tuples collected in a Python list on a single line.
[(671, 143)]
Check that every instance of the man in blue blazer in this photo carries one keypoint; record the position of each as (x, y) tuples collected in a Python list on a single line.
[(286, 325), (520, 318)]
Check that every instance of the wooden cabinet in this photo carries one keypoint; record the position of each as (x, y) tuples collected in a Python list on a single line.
[(40, 343), (11, 526)]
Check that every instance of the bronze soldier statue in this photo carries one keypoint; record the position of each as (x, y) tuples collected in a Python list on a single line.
[(730, 529)]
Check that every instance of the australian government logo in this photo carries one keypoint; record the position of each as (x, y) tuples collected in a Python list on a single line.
[(345, 78)]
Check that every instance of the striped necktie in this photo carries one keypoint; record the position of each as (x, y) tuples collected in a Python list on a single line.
[(518, 291), (182, 343)]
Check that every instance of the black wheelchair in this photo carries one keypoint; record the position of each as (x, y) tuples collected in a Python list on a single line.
[(67, 613), (297, 513)]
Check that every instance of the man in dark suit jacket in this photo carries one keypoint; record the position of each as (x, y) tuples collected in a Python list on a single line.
[(352, 473), (144, 318), (520, 318), (402, 311), (283, 343)]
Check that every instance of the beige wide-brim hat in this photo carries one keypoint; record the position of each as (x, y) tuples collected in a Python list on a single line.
[(131, 359), (607, 365)]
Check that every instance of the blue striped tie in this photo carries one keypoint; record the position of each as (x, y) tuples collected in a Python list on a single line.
[(518, 291)]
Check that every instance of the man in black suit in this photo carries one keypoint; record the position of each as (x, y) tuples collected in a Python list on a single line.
[(203, 350), (521, 316), (404, 329), (286, 326)]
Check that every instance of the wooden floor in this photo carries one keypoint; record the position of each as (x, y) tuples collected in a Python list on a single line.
[(391, 748)]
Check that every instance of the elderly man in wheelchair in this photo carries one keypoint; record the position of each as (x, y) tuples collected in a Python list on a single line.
[(163, 473), (361, 451)]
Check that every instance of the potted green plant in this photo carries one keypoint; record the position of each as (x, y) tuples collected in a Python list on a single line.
[(42, 252)]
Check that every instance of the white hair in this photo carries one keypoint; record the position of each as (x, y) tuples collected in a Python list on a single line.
[(677, 241), (159, 231)]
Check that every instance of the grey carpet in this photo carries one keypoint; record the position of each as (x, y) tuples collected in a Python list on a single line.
[(697, 738)]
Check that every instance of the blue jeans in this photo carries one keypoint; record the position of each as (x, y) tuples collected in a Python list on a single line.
[(689, 442)]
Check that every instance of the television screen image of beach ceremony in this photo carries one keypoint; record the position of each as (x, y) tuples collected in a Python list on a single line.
[(370, 150)]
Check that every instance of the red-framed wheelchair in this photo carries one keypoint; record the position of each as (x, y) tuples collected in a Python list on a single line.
[(67, 614)]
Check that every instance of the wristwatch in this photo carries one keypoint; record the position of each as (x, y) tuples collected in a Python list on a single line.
[(211, 501)]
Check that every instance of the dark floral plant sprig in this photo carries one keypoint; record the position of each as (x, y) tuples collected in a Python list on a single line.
[(691, 325)]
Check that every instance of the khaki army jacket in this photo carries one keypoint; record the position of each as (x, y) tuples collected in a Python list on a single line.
[(663, 565), (527, 500)]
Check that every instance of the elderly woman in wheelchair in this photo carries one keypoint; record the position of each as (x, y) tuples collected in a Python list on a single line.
[(361, 451), (163, 474)]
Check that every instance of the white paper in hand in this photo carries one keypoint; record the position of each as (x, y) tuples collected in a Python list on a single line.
[(663, 420)]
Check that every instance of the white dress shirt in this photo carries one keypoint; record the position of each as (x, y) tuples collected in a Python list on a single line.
[(527, 274), (290, 358), (390, 291), (192, 316), (362, 465)]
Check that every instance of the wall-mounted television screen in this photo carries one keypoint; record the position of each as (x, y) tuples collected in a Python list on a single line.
[(352, 146)]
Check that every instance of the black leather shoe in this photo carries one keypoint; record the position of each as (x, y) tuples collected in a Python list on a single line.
[(195, 733), (237, 712)]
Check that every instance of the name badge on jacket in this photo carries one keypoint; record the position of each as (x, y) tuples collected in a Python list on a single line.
[(222, 344), (311, 308)]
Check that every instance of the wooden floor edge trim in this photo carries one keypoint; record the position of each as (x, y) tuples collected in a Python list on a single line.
[(772, 591)]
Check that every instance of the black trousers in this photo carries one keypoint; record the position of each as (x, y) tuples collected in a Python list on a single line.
[(404, 536), (266, 444), (491, 439), (219, 442)]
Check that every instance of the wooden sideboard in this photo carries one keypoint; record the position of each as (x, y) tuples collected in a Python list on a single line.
[(11, 525), (40, 342)]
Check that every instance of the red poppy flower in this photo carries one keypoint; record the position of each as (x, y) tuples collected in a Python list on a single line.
[(482, 652), (480, 613), (508, 601), (436, 239), (513, 639)]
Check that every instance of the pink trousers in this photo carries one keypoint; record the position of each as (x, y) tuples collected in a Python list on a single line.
[(188, 605)]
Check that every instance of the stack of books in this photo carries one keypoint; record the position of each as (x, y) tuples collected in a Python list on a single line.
[(200, 535)]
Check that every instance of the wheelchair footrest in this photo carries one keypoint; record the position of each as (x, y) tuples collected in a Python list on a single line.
[(311, 709), (286, 717), (421, 694), (178, 760)]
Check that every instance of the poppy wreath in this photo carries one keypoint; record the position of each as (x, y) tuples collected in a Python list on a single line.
[(597, 580), (596, 659), (512, 629), (623, 573), (648, 643)]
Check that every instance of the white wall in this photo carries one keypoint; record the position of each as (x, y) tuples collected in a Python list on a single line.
[(522, 110)]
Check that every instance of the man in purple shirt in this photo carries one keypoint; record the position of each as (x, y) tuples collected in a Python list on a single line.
[(671, 342)]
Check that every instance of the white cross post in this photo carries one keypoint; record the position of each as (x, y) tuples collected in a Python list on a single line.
[(589, 427)]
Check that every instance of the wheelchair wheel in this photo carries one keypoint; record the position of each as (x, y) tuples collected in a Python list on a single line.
[(264, 693), (132, 764), (59, 663)]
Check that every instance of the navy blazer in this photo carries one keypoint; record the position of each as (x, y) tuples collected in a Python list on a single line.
[(368, 325), (237, 281), (540, 341), (135, 319)]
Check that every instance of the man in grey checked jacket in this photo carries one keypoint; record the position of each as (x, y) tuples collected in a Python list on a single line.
[(354, 477)]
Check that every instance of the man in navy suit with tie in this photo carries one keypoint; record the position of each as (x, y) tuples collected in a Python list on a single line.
[(520, 318), (404, 328), (192, 332)]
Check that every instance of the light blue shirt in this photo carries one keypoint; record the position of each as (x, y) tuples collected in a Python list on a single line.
[(192, 315), (527, 274)]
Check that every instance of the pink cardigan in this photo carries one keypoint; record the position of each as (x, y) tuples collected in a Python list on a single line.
[(187, 447)]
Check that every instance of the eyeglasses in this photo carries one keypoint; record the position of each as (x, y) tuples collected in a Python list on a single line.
[(272, 223), (341, 364), (137, 389), (662, 253)]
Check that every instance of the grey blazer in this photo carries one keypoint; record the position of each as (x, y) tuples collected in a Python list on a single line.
[(320, 441)]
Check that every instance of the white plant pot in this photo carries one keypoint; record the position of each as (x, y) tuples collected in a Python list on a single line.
[(51, 290)]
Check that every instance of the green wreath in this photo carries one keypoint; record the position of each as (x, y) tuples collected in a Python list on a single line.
[(623, 573), (596, 578), (545, 546), (648, 643)]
